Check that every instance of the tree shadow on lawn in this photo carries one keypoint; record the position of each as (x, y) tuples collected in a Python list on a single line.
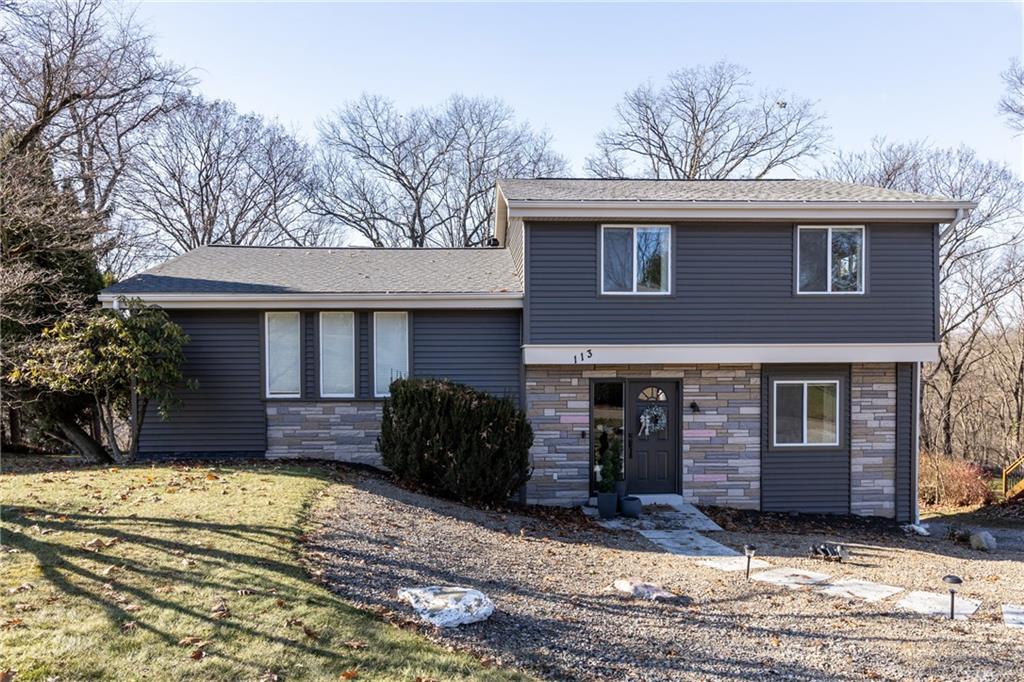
[(132, 591)]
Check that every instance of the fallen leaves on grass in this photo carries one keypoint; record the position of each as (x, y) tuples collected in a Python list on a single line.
[(245, 592), (129, 626), (96, 544), (356, 644), (12, 623), (220, 610), (191, 640), (310, 632), (7, 675), (350, 675), (24, 587)]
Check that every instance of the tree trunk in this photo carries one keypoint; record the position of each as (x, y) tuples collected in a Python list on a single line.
[(87, 446)]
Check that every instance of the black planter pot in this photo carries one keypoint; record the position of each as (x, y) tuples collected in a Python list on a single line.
[(607, 504), (632, 507)]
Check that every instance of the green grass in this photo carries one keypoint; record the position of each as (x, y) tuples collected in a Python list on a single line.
[(182, 542)]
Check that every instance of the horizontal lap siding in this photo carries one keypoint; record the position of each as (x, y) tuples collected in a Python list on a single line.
[(478, 348), (804, 480), (732, 284), (226, 412)]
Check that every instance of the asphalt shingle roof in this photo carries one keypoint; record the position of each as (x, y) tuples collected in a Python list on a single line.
[(292, 270), (572, 189)]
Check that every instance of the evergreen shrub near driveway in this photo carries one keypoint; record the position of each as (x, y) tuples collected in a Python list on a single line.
[(454, 441)]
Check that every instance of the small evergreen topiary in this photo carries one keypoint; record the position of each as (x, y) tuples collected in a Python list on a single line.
[(455, 441)]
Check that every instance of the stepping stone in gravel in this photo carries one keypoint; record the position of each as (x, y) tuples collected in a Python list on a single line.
[(1013, 616), (634, 587), (734, 563), (687, 543), (858, 589), (937, 604), (793, 578)]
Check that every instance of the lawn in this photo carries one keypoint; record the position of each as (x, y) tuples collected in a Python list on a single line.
[(175, 572)]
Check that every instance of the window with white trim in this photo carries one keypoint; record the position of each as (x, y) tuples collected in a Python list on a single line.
[(636, 259), (806, 413), (390, 350), (283, 355), (830, 260), (337, 354)]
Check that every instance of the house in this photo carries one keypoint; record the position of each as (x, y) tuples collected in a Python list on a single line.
[(754, 344)]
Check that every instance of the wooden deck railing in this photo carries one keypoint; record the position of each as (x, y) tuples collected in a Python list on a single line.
[(1013, 479)]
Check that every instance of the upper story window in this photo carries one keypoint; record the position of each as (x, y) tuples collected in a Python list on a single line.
[(806, 413), (390, 350), (635, 259), (283, 355), (831, 260), (337, 354)]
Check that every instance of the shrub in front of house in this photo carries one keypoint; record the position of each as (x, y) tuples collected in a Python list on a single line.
[(952, 481), (454, 441)]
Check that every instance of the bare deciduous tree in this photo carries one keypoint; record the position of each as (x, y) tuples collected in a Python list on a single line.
[(81, 82), (209, 175), (1012, 103), (424, 177), (707, 123), (979, 263)]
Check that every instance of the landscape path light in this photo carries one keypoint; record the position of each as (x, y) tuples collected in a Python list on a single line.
[(952, 581), (749, 551)]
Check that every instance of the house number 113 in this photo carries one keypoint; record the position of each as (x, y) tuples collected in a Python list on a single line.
[(582, 356)]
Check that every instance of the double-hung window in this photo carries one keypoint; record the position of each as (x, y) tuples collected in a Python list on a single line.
[(337, 354), (830, 260), (806, 413), (283, 355), (390, 350), (636, 259)]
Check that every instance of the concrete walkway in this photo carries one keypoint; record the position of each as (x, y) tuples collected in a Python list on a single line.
[(673, 525)]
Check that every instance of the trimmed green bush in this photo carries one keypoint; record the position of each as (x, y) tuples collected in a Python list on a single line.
[(455, 441)]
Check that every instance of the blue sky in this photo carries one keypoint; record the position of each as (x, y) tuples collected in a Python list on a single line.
[(905, 71)]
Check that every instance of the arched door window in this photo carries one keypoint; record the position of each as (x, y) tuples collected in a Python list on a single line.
[(652, 394)]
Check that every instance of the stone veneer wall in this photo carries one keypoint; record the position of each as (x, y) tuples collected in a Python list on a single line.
[(342, 431), (873, 439), (721, 444)]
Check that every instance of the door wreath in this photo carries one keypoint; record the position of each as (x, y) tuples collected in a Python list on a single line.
[(653, 421)]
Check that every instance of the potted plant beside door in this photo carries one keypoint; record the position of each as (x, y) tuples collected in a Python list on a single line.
[(608, 469)]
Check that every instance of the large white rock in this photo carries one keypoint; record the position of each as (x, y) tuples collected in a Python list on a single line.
[(634, 587), (448, 606), (983, 541)]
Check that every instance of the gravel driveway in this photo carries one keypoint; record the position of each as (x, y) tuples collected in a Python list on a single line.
[(548, 574)]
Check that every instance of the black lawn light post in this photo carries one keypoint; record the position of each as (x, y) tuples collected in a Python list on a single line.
[(952, 581), (749, 551)]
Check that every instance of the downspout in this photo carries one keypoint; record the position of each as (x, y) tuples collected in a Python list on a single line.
[(961, 214)]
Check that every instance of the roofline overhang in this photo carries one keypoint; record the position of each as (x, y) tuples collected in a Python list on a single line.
[(775, 211), (381, 301)]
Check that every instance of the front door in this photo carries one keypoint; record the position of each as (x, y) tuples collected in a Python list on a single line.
[(652, 453)]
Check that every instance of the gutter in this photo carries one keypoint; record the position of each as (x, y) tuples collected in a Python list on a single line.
[(846, 211), (322, 301)]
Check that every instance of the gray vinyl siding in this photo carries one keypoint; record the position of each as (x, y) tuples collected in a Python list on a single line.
[(807, 480), (226, 413), (905, 423), (732, 284), (364, 357), (479, 348), (310, 359)]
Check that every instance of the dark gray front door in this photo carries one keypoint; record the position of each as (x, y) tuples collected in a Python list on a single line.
[(652, 458)]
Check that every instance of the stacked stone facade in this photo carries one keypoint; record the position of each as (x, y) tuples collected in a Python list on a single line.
[(873, 439), (343, 431), (721, 442)]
